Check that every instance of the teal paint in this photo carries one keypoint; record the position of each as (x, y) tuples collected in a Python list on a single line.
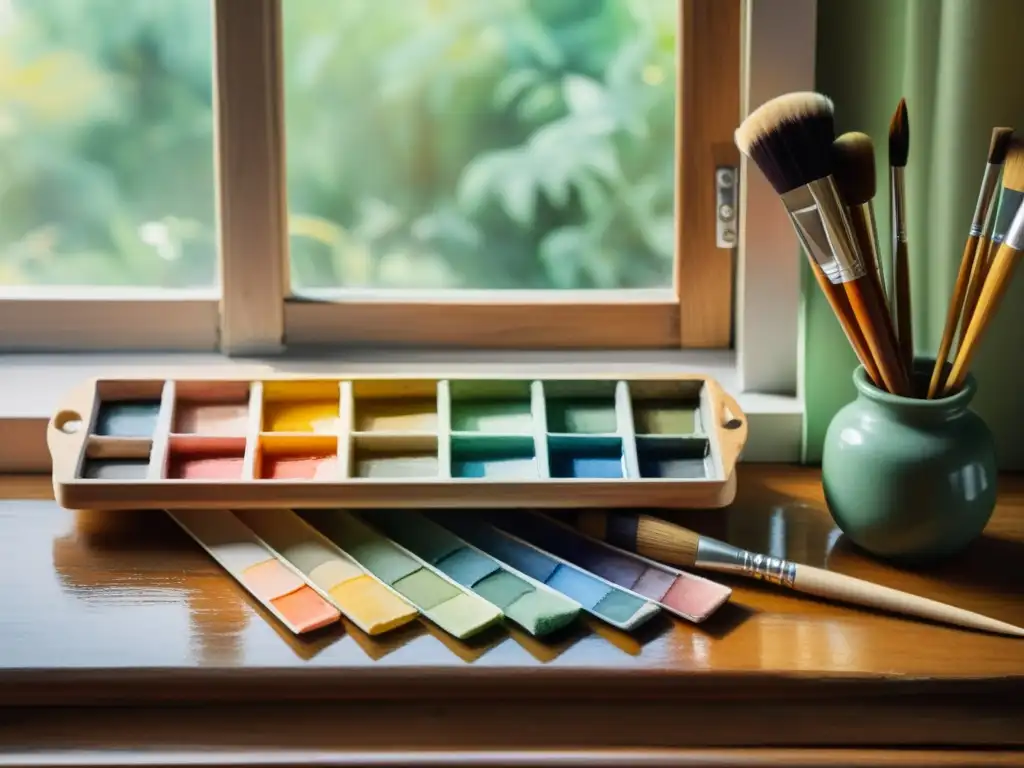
[(909, 479), (586, 458), (127, 419), (506, 457)]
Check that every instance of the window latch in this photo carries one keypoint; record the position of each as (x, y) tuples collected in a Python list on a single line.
[(725, 207)]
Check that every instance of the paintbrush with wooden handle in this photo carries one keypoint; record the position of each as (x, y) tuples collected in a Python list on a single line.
[(673, 544)]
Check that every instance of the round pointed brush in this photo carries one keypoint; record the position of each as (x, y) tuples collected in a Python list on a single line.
[(899, 298), (790, 140), (975, 253), (670, 543)]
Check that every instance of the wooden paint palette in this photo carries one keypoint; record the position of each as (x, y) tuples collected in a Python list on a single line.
[(378, 441)]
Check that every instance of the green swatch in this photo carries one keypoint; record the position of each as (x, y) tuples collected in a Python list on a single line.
[(618, 606), (425, 589), (502, 588), (540, 612)]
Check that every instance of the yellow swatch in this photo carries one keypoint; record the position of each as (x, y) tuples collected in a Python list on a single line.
[(330, 574), (371, 605), (301, 416)]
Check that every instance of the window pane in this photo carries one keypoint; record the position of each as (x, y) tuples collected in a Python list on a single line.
[(106, 143), (505, 144)]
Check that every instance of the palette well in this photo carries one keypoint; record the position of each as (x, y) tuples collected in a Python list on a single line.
[(397, 442), (597, 596), (264, 575), (456, 610), (531, 604)]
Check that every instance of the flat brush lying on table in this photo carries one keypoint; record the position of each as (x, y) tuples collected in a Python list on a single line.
[(673, 544)]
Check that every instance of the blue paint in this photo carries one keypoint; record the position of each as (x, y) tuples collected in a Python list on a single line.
[(590, 458), (467, 566), (584, 589), (127, 419)]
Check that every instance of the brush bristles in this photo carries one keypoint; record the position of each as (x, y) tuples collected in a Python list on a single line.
[(853, 166), (999, 145), (1013, 169), (899, 136), (790, 139)]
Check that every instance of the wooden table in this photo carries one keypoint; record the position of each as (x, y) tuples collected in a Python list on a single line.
[(122, 643)]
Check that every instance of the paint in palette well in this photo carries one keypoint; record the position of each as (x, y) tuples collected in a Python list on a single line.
[(381, 464), (216, 419), (400, 414), (666, 417), (498, 458), (369, 604), (457, 612), (319, 416), (586, 458), (115, 469), (256, 568), (204, 466), (284, 467), (136, 418), (584, 415), (497, 416), (671, 458), (690, 596)]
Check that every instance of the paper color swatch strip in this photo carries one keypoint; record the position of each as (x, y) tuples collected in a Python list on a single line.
[(278, 588)]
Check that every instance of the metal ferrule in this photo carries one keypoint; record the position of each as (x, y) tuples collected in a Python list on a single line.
[(1015, 237), (820, 221), (985, 195), (718, 556), (899, 205), (1009, 203)]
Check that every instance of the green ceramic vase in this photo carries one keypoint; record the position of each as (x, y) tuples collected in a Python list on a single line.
[(909, 479)]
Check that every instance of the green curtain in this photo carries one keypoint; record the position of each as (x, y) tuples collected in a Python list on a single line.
[(958, 64)]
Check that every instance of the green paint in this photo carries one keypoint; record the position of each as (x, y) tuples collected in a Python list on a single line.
[(425, 589), (618, 607), (582, 415), (541, 612), (508, 416), (381, 465), (387, 562), (502, 588), (127, 419), (666, 417), (909, 478), (495, 457), (464, 615)]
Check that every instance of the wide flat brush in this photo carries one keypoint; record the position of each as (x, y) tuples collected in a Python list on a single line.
[(670, 543), (853, 159), (790, 139), (971, 266), (899, 299), (1010, 198), (996, 283)]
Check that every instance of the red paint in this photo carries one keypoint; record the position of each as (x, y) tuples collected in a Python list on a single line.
[(695, 597), (293, 467), (185, 467)]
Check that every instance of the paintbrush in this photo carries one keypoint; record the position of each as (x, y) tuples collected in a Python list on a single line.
[(996, 283), (973, 261), (853, 167), (1009, 201), (670, 543), (790, 139), (899, 298)]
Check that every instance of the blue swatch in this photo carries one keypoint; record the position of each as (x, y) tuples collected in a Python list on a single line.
[(467, 566), (584, 589)]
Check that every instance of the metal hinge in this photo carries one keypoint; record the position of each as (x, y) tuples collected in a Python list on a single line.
[(726, 222)]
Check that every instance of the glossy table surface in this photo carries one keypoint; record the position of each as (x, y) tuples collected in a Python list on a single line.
[(122, 608)]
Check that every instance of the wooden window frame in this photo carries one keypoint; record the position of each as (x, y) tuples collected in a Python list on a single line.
[(259, 312)]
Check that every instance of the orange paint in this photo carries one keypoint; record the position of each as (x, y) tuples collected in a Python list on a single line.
[(295, 467), (305, 609), (192, 467), (270, 579)]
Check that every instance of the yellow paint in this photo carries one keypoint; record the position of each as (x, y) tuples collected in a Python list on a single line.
[(306, 445), (301, 416), (287, 389), (333, 572), (371, 606)]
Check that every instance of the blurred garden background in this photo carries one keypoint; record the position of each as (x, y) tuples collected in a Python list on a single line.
[(431, 144)]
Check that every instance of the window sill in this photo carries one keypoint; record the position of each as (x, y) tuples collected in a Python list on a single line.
[(33, 385)]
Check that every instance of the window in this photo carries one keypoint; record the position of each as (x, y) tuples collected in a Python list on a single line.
[(517, 173), (106, 161)]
